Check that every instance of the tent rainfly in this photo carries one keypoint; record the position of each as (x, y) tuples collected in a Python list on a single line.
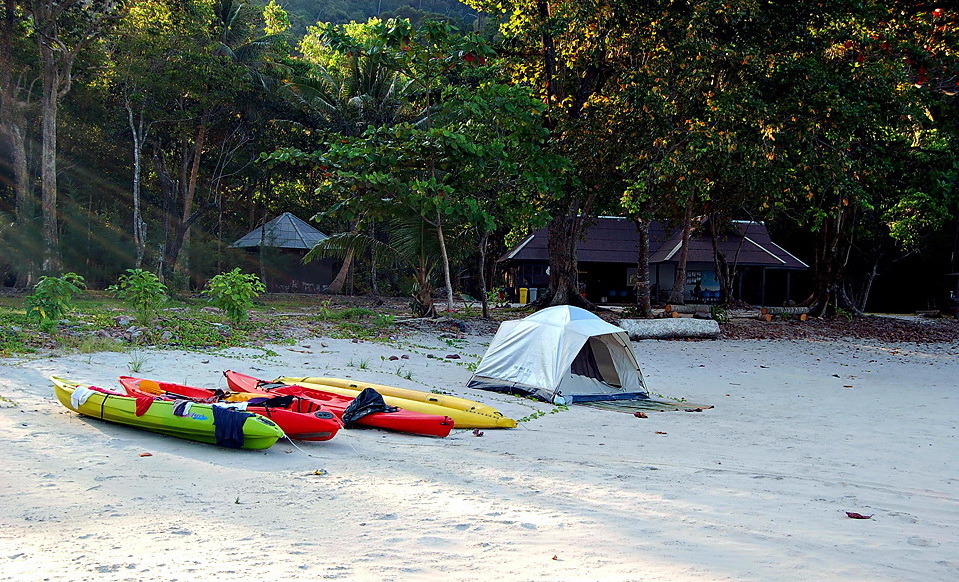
[(563, 355)]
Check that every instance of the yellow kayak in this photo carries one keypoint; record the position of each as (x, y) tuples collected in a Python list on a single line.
[(418, 395), (485, 418)]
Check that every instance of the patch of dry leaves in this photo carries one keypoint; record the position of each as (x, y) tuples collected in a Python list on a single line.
[(870, 327), (913, 329)]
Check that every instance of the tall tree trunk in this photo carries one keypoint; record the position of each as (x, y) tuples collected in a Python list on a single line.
[(48, 158), (56, 65), (444, 256), (139, 133), (341, 276), (12, 133), (177, 222), (169, 190), (867, 286), (182, 257), (644, 305), (25, 201), (563, 235), (337, 285), (720, 263), (23, 193), (829, 294), (484, 300), (549, 62), (678, 294), (262, 250), (563, 229), (423, 296)]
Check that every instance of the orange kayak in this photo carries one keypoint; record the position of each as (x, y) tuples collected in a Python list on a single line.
[(400, 420)]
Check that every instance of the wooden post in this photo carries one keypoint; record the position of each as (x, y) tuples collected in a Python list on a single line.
[(762, 288), (739, 284), (658, 285), (789, 286)]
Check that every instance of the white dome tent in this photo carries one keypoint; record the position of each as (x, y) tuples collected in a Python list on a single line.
[(563, 355)]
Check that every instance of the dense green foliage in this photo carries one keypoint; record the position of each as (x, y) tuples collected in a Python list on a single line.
[(234, 292), (52, 298), (162, 131), (309, 12), (823, 115), (143, 291)]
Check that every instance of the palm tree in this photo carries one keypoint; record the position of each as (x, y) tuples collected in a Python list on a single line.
[(235, 28), (366, 94), (411, 244)]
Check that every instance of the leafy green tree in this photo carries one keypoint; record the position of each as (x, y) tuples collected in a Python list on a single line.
[(17, 72), (427, 55), (712, 96), (276, 19), (143, 290), (234, 292), (52, 298), (403, 167), (347, 91), (221, 69), (511, 178), (352, 85), (137, 55), (62, 29), (846, 118), (567, 52)]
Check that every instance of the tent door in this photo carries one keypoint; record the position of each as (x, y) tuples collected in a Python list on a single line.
[(594, 361)]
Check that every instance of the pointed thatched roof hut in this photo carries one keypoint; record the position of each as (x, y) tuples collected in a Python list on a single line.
[(281, 245), (283, 232)]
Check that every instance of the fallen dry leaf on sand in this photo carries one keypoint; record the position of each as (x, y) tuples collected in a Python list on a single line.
[(854, 515)]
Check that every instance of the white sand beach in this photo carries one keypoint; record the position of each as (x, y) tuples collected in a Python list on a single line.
[(756, 488)]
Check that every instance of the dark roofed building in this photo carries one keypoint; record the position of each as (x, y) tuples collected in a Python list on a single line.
[(282, 243), (283, 232), (608, 253), (750, 245), (607, 240)]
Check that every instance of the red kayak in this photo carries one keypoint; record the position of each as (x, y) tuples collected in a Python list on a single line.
[(300, 418), (399, 419)]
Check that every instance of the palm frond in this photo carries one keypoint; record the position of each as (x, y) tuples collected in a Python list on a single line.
[(414, 238), (342, 244)]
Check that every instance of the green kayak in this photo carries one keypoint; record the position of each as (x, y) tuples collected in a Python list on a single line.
[(198, 422)]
